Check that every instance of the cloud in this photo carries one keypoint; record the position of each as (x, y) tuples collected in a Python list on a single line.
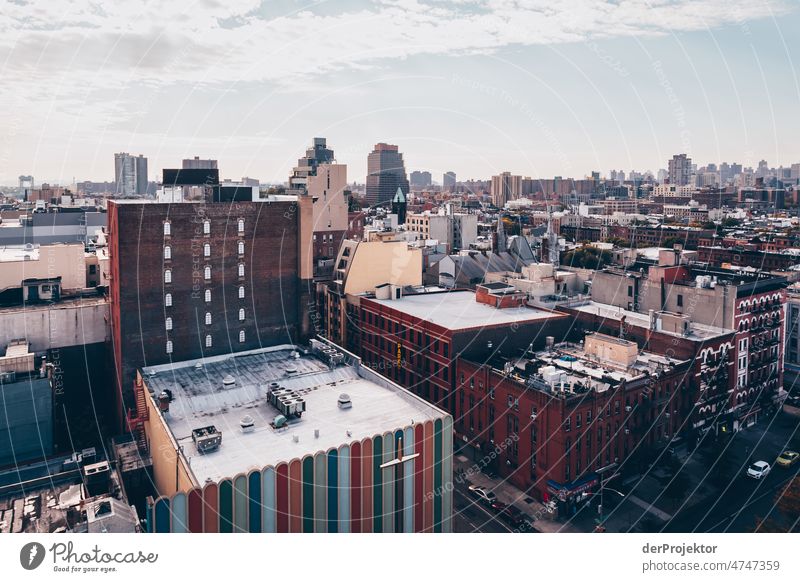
[(224, 42)]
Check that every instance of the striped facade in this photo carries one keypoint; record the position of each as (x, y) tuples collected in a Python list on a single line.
[(339, 490)]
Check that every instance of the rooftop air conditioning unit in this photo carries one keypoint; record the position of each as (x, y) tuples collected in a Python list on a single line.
[(207, 439)]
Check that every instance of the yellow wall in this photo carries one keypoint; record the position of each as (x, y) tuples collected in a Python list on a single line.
[(376, 263), (170, 471)]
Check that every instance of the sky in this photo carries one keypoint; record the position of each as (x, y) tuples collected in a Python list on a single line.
[(538, 88)]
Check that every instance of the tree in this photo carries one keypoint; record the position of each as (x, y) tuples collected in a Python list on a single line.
[(588, 258)]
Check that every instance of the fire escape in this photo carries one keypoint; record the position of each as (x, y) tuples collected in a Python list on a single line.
[(136, 418)]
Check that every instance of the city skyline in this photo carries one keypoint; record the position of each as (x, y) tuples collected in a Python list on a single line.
[(457, 86)]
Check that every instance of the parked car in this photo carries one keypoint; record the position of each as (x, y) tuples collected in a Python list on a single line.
[(787, 458), (513, 516), (758, 470), (482, 494)]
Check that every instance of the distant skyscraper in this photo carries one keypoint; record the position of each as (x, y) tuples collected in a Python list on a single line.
[(505, 187), (385, 174), (25, 186), (306, 166), (130, 174), (680, 169), (420, 179), (449, 181), (197, 164)]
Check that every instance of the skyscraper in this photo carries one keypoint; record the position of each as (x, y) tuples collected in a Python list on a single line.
[(420, 179), (505, 187), (197, 164), (130, 174), (449, 182), (385, 174), (319, 177), (680, 169)]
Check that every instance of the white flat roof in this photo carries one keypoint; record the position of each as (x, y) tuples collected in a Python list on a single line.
[(201, 400), (698, 330), (458, 310)]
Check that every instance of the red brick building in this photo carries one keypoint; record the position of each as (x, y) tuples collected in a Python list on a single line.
[(706, 396), (416, 339), (193, 280), (553, 421)]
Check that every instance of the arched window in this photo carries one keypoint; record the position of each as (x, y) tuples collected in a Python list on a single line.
[(208, 341), (241, 314), (208, 295), (168, 276), (241, 225), (207, 273), (206, 226), (206, 250), (208, 318), (167, 228), (167, 252), (241, 337), (241, 269), (241, 291), (168, 324), (241, 247), (169, 346), (168, 300)]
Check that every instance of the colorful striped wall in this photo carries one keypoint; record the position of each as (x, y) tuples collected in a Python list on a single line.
[(339, 490)]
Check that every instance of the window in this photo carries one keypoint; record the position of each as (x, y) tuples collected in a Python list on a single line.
[(241, 315), (206, 250), (208, 318), (568, 424), (206, 226), (241, 225), (241, 247), (167, 252), (207, 273), (168, 276), (169, 346), (167, 228), (241, 291), (168, 300), (241, 269), (208, 341), (578, 421), (168, 323), (241, 337), (208, 295), (680, 300)]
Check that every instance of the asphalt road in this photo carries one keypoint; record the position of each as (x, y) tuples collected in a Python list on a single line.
[(472, 516)]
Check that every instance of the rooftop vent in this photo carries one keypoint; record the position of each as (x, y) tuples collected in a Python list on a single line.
[(279, 421), (344, 401), (228, 380), (247, 423)]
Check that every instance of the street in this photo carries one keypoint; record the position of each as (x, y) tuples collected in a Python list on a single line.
[(709, 491)]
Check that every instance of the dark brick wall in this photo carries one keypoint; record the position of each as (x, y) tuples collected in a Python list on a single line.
[(272, 286)]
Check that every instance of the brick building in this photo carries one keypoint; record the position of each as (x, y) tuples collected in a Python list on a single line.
[(751, 304), (416, 339), (193, 280), (569, 413), (768, 261), (711, 382)]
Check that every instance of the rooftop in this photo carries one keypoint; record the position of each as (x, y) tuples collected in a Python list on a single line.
[(567, 369), (201, 399), (697, 331), (458, 310)]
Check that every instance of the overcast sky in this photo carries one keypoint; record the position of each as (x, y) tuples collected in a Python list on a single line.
[(536, 87)]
